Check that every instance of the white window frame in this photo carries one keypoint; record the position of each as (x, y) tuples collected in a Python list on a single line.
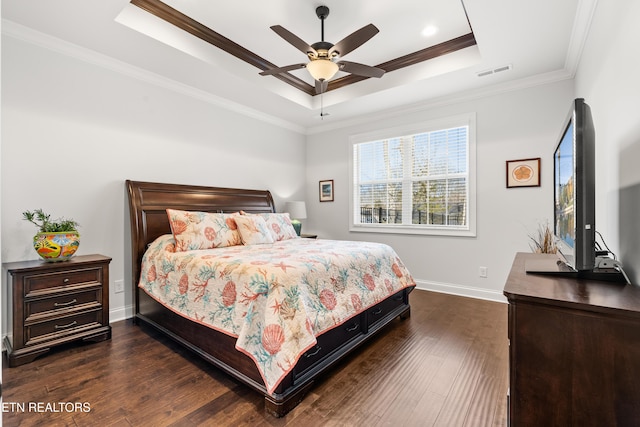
[(469, 230)]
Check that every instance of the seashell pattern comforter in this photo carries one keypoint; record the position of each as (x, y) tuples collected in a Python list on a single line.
[(275, 298)]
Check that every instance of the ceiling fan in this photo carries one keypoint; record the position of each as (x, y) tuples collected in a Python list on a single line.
[(323, 55)]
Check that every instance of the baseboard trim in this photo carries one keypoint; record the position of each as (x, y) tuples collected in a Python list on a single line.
[(465, 291), (121, 313)]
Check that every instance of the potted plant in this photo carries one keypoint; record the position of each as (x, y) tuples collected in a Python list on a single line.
[(543, 242), (57, 240)]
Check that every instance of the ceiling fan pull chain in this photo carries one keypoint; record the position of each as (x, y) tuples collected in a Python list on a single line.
[(322, 113)]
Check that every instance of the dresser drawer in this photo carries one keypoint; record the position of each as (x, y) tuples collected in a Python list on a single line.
[(382, 309), (61, 326), (47, 282), (62, 302)]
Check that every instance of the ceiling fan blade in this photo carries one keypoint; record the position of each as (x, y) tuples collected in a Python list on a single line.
[(321, 86), (360, 69), (294, 40), (354, 40), (272, 71)]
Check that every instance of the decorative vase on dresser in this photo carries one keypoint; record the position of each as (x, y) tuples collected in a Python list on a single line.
[(50, 304)]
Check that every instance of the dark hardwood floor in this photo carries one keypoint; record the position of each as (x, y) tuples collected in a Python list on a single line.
[(446, 365)]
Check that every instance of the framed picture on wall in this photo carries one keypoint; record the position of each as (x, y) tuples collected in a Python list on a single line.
[(523, 173), (326, 190)]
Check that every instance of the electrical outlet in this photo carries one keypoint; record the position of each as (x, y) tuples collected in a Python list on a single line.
[(483, 271), (119, 286)]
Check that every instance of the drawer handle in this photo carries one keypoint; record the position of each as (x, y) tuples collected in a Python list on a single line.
[(354, 327), (377, 311), (64, 304), (74, 323), (318, 348), (65, 281), (398, 298)]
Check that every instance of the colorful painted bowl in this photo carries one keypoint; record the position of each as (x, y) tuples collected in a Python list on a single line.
[(56, 246)]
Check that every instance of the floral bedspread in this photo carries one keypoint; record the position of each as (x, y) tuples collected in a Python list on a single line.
[(275, 298)]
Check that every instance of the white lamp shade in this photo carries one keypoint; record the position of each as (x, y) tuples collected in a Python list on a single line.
[(297, 210), (322, 69)]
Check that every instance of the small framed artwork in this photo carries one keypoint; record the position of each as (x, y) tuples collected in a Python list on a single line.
[(326, 190), (523, 173)]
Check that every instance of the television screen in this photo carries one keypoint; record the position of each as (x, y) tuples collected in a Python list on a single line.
[(564, 191), (574, 189)]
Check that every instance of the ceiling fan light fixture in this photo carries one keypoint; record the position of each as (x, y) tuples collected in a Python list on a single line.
[(322, 69), (323, 53)]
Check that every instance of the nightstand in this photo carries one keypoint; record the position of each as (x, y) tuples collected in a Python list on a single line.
[(53, 303), (309, 236)]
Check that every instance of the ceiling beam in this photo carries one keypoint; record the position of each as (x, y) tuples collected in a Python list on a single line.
[(430, 52), (188, 24), (184, 22)]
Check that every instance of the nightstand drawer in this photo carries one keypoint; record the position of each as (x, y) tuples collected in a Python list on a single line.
[(54, 303), (47, 282), (61, 326), (68, 301)]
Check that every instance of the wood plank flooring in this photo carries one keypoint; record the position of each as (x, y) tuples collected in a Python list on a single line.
[(447, 365)]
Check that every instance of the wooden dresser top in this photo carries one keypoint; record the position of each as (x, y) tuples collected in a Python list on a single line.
[(590, 295)]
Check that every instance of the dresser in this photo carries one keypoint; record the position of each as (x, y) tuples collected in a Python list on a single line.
[(54, 303), (574, 350)]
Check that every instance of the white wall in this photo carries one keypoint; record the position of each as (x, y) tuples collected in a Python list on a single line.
[(73, 132), (608, 78), (512, 125)]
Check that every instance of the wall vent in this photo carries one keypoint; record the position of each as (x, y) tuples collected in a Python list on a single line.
[(494, 71)]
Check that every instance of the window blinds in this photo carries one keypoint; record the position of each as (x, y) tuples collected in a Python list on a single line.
[(419, 179)]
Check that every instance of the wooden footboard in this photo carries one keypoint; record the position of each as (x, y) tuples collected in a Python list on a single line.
[(148, 203)]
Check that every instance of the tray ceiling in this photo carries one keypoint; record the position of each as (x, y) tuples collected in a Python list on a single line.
[(531, 41)]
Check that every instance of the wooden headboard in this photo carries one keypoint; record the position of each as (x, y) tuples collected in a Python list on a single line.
[(148, 202)]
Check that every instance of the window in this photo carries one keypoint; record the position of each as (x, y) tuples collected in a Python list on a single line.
[(417, 180)]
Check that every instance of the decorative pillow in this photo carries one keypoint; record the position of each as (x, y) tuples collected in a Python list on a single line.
[(253, 230), (203, 230), (280, 226)]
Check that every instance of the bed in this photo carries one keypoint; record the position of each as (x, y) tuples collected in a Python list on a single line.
[(283, 378)]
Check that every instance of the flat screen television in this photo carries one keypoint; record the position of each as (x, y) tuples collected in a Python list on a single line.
[(574, 189)]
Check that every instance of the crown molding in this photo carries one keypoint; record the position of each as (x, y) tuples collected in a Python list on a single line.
[(579, 34), (456, 98), (28, 35)]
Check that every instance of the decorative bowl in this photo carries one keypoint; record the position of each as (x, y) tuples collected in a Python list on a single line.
[(58, 246)]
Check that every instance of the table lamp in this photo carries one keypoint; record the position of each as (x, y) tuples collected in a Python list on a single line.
[(297, 211)]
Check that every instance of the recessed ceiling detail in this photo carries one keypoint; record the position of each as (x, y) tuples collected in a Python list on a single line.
[(197, 29), (123, 37)]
